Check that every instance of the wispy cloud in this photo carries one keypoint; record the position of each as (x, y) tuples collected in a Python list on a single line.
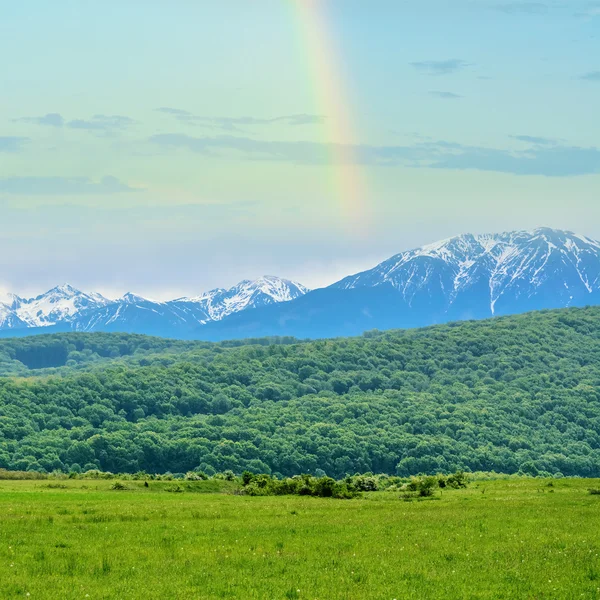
[(35, 186), (102, 123), (531, 139), (176, 112), (50, 120), (98, 123), (12, 144), (537, 159), (591, 76), (550, 161), (444, 95), (589, 11), (440, 67), (523, 8), (234, 123)]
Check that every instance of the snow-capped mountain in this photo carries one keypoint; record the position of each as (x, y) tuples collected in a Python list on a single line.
[(465, 277), (220, 303), (180, 316), (56, 305), (8, 318), (474, 276), (65, 308)]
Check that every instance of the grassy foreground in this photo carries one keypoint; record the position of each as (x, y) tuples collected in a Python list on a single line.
[(525, 538)]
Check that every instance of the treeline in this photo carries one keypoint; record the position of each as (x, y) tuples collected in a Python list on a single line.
[(257, 484), (515, 394), (350, 487), (48, 354)]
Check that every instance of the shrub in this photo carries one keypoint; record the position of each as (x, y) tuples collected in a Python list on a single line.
[(324, 487), (195, 476), (458, 480), (226, 475), (363, 483), (300, 485), (427, 485)]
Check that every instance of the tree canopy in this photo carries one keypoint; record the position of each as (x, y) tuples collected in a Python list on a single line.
[(511, 394)]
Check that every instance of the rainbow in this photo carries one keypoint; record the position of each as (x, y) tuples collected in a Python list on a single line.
[(333, 101)]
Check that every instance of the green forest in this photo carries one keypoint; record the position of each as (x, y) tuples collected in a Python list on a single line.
[(516, 394)]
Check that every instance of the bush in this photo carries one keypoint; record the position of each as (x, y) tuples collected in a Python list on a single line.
[(300, 485), (363, 483), (195, 476), (458, 480), (226, 475), (427, 485)]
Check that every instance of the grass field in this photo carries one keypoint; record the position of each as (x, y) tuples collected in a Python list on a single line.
[(506, 539)]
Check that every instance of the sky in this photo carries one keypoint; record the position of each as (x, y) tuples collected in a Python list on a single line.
[(167, 148)]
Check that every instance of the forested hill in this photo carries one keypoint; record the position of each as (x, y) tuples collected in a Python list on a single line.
[(507, 394)]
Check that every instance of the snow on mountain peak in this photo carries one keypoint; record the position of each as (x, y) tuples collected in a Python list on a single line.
[(65, 289), (60, 303), (463, 277), (508, 266), (219, 303), (131, 298)]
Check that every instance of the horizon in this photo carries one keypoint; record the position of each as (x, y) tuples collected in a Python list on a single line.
[(8, 296)]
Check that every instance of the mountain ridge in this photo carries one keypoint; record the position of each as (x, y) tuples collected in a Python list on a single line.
[(66, 306), (471, 276)]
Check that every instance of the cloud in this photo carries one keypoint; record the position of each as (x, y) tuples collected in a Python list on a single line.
[(444, 95), (51, 120), (299, 152), (234, 123), (440, 67), (555, 161), (591, 76), (12, 144), (539, 141), (523, 8), (176, 112), (541, 158), (33, 186), (590, 11), (104, 123)]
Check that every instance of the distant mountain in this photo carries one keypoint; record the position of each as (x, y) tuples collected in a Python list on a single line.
[(65, 308), (478, 276), (465, 277), (58, 304), (8, 318), (265, 291)]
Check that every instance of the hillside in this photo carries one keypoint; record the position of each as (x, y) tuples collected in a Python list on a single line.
[(506, 394)]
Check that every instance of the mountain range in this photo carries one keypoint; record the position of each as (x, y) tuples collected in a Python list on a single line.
[(465, 277)]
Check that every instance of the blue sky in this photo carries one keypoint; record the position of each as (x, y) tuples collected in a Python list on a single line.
[(171, 147)]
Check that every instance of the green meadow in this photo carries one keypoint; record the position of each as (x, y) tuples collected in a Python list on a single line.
[(513, 538)]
